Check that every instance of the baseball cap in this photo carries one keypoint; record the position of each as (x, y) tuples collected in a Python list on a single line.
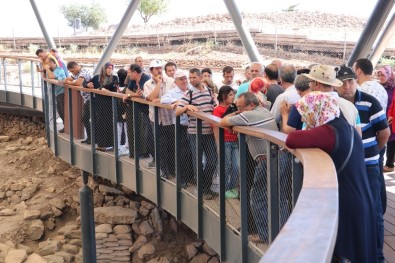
[(344, 73), (324, 74), (180, 73), (155, 64)]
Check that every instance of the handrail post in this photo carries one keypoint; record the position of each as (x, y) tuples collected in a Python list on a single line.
[(20, 81), (32, 78), (5, 79), (46, 111), (92, 116), (55, 128), (297, 179), (199, 176), (115, 132), (87, 221), (272, 193), (157, 155), (178, 167), (243, 197), (136, 140), (222, 212), (71, 127)]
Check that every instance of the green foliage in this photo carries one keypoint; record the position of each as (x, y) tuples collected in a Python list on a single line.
[(91, 16), (387, 61), (291, 8), (149, 8), (73, 48)]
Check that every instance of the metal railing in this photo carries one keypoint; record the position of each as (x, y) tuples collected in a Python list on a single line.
[(299, 204)]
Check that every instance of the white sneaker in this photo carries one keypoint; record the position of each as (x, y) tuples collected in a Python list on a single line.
[(59, 120), (123, 152)]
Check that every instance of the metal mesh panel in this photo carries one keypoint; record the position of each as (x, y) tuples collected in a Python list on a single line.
[(285, 185)]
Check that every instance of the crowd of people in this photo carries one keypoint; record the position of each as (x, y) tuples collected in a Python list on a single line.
[(342, 110)]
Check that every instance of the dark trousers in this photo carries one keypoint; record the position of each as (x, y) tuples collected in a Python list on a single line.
[(86, 115), (167, 149), (390, 154), (60, 105), (130, 129), (186, 167), (383, 190)]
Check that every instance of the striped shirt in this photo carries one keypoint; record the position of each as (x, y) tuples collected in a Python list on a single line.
[(373, 119), (261, 118), (166, 117), (204, 102)]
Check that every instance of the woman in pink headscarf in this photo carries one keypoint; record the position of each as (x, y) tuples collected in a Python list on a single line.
[(326, 130), (386, 78)]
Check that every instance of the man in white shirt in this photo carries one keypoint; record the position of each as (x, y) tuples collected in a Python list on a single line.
[(228, 73)]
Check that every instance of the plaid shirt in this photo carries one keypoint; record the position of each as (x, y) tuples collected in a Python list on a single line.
[(166, 117)]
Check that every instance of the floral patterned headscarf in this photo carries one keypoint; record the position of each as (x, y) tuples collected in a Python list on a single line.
[(317, 108)]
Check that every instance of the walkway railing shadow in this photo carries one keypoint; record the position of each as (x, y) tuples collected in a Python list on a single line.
[(302, 196)]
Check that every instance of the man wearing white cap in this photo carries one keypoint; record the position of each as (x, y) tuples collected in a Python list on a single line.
[(323, 78), (154, 89), (173, 96)]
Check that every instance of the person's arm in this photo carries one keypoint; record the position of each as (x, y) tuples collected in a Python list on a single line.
[(229, 120), (382, 137), (50, 74), (312, 138), (168, 98), (155, 92), (284, 110)]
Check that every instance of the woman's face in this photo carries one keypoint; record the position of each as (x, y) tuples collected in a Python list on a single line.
[(382, 78), (109, 70), (230, 98)]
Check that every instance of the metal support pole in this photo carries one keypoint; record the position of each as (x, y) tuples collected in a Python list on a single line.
[(272, 193), (244, 33), (55, 127), (222, 175), (0, 70), (243, 197), (115, 131), (199, 176), (33, 86), (157, 155), (371, 30), (383, 41), (46, 111), (93, 132), (87, 221), (297, 179), (20, 81), (48, 39), (116, 37), (5, 79), (178, 167), (71, 128), (136, 139)]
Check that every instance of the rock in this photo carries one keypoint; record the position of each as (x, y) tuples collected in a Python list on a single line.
[(16, 256), (146, 250), (98, 199), (2, 195), (35, 230), (4, 138), (9, 193), (51, 170), (147, 205), (115, 215), (213, 260), (143, 211), (70, 249), (122, 229), (10, 243), (29, 192), (28, 140), (35, 258), (200, 258), (48, 247), (125, 242), (208, 250), (124, 236), (106, 190), (68, 258), (7, 212), (191, 251), (140, 241), (156, 220), (173, 224), (127, 191), (50, 223), (74, 234), (111, 238), (31, 214), (50, 190), (104, 251), (26, 248), (104, 228), (122, 199), (75, 242), (15, 199), (11, 148), (54, 259), (145, 228), (101, 236), (136, 228), (160, 260), (18, 186), (56, 212), (134, 205), (57, 202)]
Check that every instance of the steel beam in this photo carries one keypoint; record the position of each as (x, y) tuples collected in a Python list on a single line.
[(383, 41), (244, 33), (48, 39), (117, 35), (371, 31)]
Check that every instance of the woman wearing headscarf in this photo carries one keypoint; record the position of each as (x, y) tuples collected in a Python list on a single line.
[(356, 237), (107, 81), (387, 80)]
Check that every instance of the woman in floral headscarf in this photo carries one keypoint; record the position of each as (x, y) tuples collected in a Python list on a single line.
[(356, 237), (386, 78), (105, 81)]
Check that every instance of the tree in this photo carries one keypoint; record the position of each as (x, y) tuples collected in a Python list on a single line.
[(91, 16), (149, 8)]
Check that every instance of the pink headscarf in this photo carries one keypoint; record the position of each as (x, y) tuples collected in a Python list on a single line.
[(387, 72), (317, 108)]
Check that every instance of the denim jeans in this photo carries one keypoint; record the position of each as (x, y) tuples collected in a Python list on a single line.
[(374, 183), (383, 190), (231, 165), (210, 151)]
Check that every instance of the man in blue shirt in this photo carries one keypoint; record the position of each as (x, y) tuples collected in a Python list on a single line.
[(53, 71), (375, 133)]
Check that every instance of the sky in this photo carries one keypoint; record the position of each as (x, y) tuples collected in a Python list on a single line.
[(22, 23)]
